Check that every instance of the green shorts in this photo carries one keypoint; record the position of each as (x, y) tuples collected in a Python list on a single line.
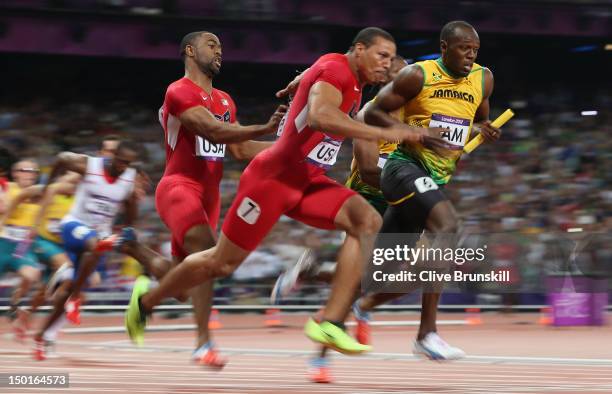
[(379, 204), (10, 263), (45, 249)]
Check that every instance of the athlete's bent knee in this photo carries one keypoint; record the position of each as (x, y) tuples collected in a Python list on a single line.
[(30, 274), (368, 223)]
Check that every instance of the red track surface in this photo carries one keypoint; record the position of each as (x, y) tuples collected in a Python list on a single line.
[(507, 354)]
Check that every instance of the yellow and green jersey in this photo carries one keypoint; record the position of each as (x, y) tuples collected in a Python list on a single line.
[(355, 182), (17, 226), (444, 101), (49, 227)]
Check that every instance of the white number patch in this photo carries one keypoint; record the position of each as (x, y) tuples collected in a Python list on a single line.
[(16, 233), (325, 153), (53, 226), (79, 232), (382, 160), (458, 129), (249, 211), (99, 207), (209, 151), (425, 184)]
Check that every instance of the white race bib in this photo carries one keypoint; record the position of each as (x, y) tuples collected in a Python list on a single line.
[(458, 129), (209, 151), (325, 153), (100, 207), (53, 226), (281, 125), (382, 160), (425, 184), (16, 233)]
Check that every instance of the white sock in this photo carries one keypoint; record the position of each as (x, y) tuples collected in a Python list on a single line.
[(51, 333)]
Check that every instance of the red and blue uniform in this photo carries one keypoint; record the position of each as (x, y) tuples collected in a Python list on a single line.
[(188, 193), (289, 178)]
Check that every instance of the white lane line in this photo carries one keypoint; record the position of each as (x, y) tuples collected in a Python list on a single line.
[(255, 363), (380, 355)]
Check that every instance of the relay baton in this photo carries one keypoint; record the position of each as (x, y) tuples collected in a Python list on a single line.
[(479, 139)]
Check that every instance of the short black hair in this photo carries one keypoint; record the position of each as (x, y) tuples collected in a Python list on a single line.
[(449, 30), (190, 39), (369, 34)]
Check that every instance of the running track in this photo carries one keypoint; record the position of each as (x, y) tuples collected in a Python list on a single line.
[(508, 354)]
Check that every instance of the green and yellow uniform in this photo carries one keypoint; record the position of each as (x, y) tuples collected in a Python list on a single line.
[(444, 101), (373, 195), (49, 242), (15, 230)]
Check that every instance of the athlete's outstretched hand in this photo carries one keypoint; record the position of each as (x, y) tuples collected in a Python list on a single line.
[(489, 133), (429, 137), (432, 139), (291, 87), (276, 117)]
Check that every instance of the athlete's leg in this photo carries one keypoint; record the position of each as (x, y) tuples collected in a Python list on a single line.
[(442, 221), (153, 263), (86, 266), (258, 205), (55, 321), (54, 261), (192, 227), (199, 238), (219, 261), (29, 275), (78, 241), (361, 223), (60, 297), (328, 205)]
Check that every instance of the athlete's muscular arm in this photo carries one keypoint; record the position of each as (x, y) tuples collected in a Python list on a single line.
[(482, 125), (291, 87), (393, 96), (65, 186), (405, 86), (247, 150), (68, 161), (201, 122), (131, 209), (366, 156), (324, 114)]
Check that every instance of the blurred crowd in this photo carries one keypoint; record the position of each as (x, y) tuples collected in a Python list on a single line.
[(548, 174)]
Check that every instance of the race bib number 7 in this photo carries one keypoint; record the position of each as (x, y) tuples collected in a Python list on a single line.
[(249, 211), (458, 129)]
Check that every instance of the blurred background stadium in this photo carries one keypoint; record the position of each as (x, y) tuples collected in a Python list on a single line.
[(74, 71)]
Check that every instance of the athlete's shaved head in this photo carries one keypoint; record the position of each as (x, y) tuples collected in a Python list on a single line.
[(453, 29), (369, 35), (459, 45), (203, 49), (191, 39), (373, 49)]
